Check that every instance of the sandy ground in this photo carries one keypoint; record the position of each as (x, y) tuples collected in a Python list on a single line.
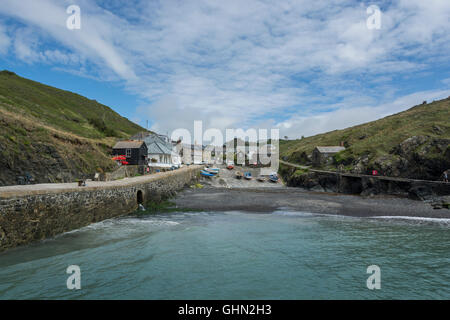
[(226, 193), (271, 199)]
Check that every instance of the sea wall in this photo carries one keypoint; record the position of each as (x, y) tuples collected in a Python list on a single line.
[(33, 213)]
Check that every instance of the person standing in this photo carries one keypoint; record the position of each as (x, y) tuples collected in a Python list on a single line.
[(445, 174)]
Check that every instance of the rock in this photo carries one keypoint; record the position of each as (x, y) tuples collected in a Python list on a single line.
[(317, 188), (437, 206), (409, 145), (2, 234), (370, 192), (420, 193), (438, 130)]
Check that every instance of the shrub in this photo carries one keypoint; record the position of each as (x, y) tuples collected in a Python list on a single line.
[(300, 172), (101, 126)]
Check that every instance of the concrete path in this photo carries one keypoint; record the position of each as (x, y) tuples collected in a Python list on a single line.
[(32, 189)]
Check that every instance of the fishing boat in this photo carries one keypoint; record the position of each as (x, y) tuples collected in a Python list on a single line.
[(206, 173), (239, 175), (261, 179), (211, 170), (230, 166), (274, 177), (248, 175)]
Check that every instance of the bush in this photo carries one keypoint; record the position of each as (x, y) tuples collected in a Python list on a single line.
[(300, 172), (343, 157), (101, 126)]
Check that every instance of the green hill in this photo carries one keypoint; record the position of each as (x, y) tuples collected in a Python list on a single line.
[(413, 143), (53, 134)]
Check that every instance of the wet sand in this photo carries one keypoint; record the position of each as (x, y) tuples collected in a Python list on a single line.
[(295, 199)]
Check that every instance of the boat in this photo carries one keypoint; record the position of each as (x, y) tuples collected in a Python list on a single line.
[(206, 173), (261, 179), (274, 177), (239, 175), (211, 170), (230, 165), (248, 175)]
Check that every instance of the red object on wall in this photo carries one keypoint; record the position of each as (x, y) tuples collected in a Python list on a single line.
[(374, 172)]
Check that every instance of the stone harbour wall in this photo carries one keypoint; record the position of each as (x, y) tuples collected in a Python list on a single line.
[(34, 213)]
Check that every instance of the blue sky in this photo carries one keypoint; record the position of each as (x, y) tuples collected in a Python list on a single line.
[(304, 67)]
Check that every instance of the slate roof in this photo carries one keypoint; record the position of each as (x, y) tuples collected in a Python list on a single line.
[(333, 149), (128, 144), (158, 148), (157, 145)]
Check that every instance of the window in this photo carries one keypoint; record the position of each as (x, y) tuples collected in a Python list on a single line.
[(128, 153)]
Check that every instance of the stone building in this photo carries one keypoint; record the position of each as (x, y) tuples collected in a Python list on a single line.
[(324, 155)]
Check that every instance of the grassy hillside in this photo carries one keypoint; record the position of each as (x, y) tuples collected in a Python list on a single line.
[(412, 143), (55, 135)]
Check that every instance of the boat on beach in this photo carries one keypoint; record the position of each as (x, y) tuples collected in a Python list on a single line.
[(239, 175), (273, 178), (206, 173), (211, 170), (261, 179), (248, 176)]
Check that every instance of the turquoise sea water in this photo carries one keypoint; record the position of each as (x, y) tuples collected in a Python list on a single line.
[(236, 255)]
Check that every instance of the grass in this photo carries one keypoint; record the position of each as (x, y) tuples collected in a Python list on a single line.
[(378, 138), (300, 172), (42, 125), (61, 109)]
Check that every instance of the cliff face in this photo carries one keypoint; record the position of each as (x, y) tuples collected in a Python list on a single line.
[(418, 157), (411, 144), (438, 194), (54, 135)]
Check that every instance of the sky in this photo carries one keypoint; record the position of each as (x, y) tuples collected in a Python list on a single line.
[(304, 67)]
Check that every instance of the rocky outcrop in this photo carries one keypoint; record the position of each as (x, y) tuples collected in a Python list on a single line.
[(418, 157), (364, 185)]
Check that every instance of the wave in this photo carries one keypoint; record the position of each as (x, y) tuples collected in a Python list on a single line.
[(442, 221), (295, 213), (420, 219), (122, 222)]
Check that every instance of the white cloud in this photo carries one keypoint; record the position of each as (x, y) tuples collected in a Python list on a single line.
[(5, 41), (94, 41), (25, 46), (342, 118), (242, 63)]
